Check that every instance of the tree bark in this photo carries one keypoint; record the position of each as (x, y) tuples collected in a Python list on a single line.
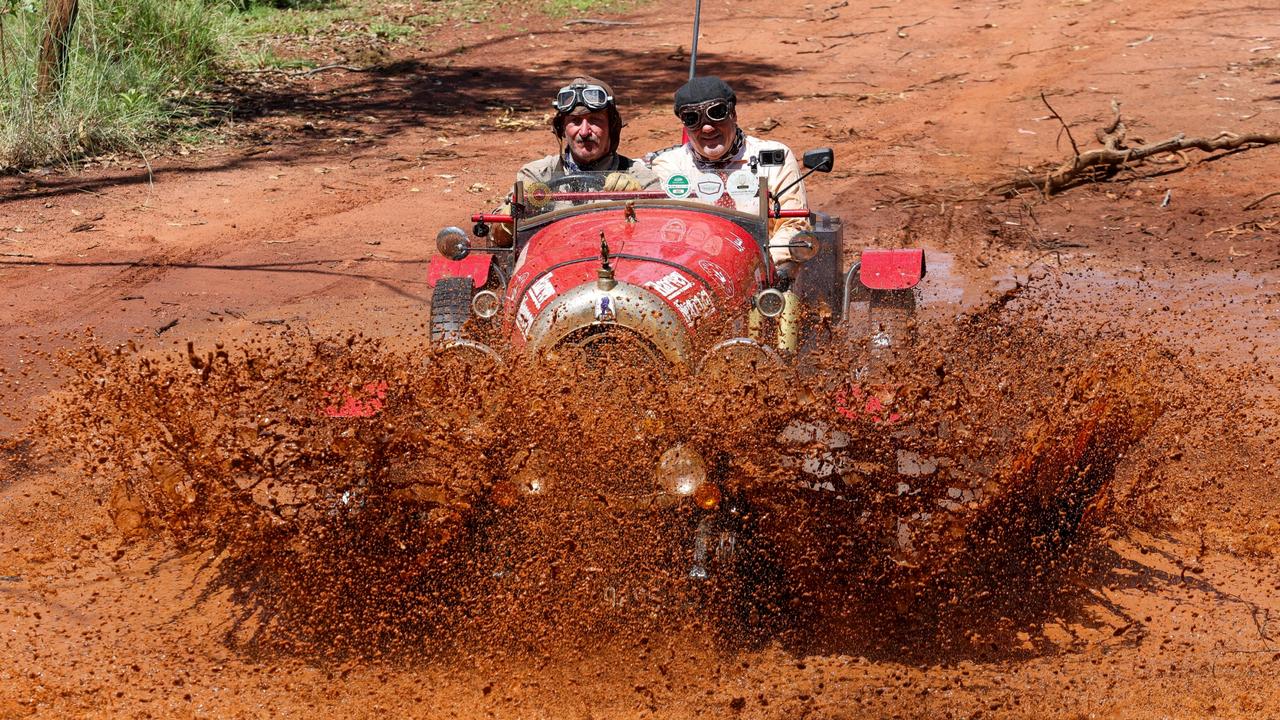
[(54, 48)]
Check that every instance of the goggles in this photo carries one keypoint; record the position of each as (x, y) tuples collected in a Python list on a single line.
[(592, 97), (712, 112)]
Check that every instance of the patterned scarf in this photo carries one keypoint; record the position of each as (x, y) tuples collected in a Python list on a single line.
[(730, 157)]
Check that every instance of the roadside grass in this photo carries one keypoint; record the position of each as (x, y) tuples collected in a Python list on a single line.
[(131, 66), (137, 69)]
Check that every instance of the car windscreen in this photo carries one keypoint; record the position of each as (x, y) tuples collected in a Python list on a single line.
[(537, 203)]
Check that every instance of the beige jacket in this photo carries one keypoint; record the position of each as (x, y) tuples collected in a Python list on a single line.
[(683, 160)]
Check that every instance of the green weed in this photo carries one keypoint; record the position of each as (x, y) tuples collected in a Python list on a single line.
[(131, 65), (135, 68), (266, 20), (561, 8)]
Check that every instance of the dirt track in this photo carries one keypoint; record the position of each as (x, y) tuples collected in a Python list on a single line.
[(321, 215)]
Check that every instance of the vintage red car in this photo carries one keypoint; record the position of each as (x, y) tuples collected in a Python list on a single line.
[(670, 281), (674, 276)]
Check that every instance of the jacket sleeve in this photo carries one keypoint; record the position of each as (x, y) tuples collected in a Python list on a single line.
[(537, 171)]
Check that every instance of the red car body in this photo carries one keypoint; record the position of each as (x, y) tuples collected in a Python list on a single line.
[(701, 265), (675, 275)]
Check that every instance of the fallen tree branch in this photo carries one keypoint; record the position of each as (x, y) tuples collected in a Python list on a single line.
[(1261, 200), (1114, 155), (902, 29), (1033, 52), (1065, 128), (609, 23)]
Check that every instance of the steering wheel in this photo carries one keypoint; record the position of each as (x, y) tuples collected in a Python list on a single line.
[(578, 182)]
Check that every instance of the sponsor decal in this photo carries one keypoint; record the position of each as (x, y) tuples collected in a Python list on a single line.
[(673, 231), (710, 186), (517, 282), (670, 285), (604, 309), (719, 275), (542, 291), (676, 187), (524, 318), (538, 194), (742, 185), (696, 306)]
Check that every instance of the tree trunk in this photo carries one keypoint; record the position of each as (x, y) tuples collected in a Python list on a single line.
[(52, 68)]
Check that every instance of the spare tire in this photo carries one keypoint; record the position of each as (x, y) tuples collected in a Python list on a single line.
[(450, 308)]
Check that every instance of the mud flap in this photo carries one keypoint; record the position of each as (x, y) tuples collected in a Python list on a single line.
[(879, 291), (890, 314), (891, 269)]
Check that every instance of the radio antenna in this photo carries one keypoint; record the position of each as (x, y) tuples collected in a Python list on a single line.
[(693, 52)]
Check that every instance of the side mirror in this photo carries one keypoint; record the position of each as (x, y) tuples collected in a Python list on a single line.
[(453, 243), (820, 159)]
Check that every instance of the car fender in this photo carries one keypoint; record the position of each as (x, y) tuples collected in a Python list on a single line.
[(891, 269), (474, 266)]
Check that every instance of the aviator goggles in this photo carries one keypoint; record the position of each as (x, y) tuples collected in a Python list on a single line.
[(592, 97), (713, 112)]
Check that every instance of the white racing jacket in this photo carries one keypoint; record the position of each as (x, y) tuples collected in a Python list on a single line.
[(682, 160)]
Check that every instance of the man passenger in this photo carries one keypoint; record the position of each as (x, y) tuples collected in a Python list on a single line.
[(707, 107)]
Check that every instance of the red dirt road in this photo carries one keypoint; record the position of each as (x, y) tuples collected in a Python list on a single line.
[(320, 213)]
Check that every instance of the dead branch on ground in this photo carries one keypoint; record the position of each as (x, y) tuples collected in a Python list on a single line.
[(1065, 127), (301, 73), (1115, 155), (1261, 200), (606, 23)]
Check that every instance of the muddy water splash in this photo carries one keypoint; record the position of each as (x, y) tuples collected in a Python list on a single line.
[(454, 498)]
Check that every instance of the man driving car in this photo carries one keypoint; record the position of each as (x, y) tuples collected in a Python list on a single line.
[(588, 126)]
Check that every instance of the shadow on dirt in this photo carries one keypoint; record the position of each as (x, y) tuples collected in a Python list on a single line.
[(408, 94), (361, 111), (335, 603), (18, 460), (1063, 611), (300, 267)]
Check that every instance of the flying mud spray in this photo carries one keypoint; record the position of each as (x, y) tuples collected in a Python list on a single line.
[(504, 508)]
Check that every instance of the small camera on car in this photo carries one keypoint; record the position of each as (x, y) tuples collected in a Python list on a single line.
[(772, 157)]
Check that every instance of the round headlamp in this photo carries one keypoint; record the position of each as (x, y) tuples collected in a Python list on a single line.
[(804, 247), (485, 304), (770, 302), (680, 471), (453, 243)]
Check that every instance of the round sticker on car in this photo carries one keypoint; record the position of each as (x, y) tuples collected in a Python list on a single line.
[(742, 185), (538, 194), (710, 186), (676, 187)]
